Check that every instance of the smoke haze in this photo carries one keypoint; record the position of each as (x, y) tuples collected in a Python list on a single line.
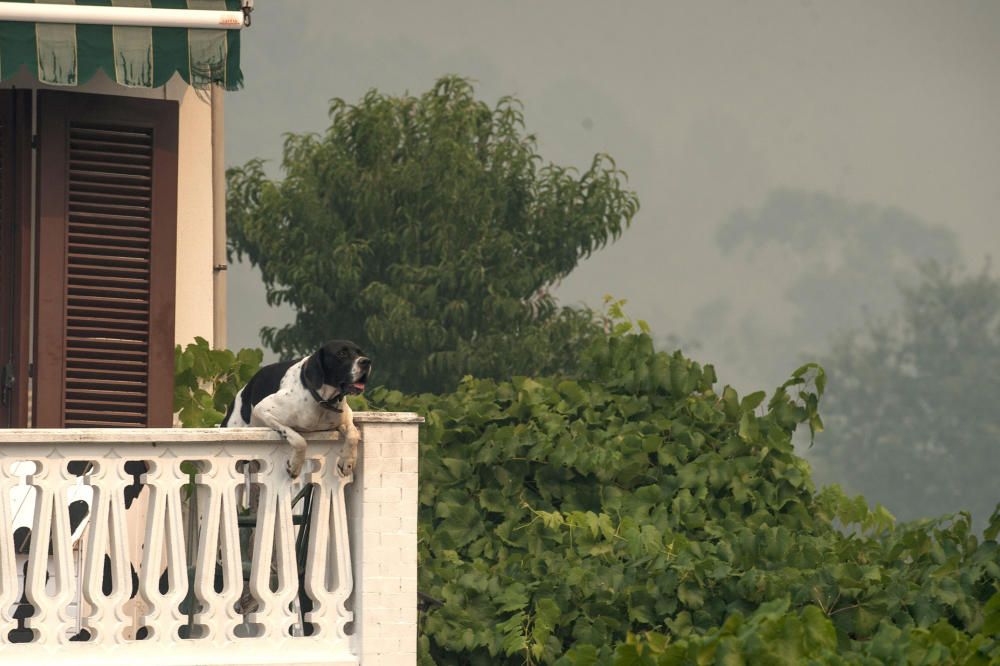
[(794, 161)]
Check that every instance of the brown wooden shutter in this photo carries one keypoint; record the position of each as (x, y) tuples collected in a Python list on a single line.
[(15, 246), (106, 257)]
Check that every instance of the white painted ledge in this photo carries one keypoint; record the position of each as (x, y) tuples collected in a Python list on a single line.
[(154, 436)]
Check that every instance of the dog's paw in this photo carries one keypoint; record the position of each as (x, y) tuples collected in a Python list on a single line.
[(293, 469), (346, 466)]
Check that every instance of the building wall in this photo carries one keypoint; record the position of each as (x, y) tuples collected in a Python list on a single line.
[(194, 309), (194, 216)]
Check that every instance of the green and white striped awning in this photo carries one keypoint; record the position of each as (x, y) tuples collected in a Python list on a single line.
[(136, 56)]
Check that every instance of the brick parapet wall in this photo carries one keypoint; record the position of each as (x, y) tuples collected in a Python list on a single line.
[(384, 549)]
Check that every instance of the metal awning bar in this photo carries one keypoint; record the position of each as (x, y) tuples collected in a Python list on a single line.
[(121, 16)]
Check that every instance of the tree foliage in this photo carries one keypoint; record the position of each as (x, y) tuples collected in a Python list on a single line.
[(822, 261), (429, 230), (207, 380), (914, 399), (637, 515), (848, 256), (634, 515)]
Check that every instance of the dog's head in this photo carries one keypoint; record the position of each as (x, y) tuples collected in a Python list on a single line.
[(340, 364)]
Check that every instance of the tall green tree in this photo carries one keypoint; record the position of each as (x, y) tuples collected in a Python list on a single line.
[(912, 411), (429, 230)]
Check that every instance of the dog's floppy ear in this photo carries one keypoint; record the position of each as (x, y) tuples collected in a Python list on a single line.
[(312, 372)]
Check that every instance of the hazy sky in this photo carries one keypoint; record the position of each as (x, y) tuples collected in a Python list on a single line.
[(708, 106)]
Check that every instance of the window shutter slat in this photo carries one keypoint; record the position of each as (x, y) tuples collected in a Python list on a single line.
[(116, 164), (117, 347)]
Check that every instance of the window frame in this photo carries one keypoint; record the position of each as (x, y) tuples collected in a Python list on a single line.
[(15, 252)]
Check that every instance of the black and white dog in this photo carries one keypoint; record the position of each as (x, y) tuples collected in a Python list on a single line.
[(305, 396)]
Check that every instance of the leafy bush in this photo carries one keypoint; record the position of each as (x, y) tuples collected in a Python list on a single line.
[(776, 634), (635, 515), (206, 380)]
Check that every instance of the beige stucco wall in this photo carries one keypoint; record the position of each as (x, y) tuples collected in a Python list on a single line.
[(194, 308), (194, 215)]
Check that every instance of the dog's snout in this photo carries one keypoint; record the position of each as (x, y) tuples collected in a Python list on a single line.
[(364, 363)]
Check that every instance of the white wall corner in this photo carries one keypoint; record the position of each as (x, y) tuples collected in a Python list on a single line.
[(382, 512)]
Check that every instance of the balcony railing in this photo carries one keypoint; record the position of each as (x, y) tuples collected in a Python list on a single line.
[(193, 546)]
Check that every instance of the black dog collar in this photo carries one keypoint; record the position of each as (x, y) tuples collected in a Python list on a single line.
[(333, 404)]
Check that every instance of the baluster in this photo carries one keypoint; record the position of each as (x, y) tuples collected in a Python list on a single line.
[(274, 524), (164, 530), (50, 525), (329, 523), (218, 614), (108, 534), (8, 570)]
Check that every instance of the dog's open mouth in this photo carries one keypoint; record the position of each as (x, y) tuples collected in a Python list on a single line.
[(356, 388)]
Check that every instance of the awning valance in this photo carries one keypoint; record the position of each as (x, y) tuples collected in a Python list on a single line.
[(135, 56)]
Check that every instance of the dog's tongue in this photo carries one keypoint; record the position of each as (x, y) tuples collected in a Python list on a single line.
[(360, 387)]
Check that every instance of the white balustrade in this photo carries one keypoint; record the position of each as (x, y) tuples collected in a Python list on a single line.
[(202, 566)]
